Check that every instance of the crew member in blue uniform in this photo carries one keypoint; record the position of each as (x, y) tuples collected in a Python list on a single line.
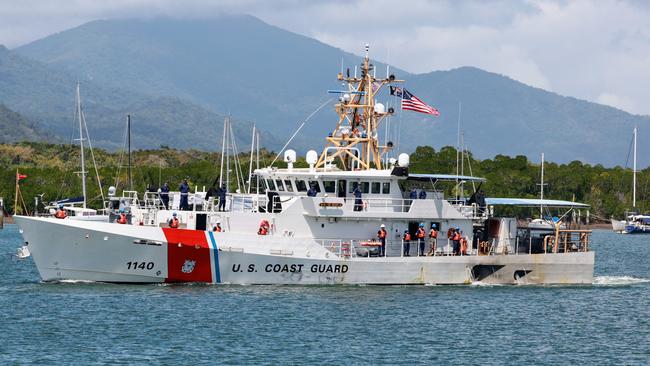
[(164, 195), (358, 203), (312, 190), (185, 192), (222, 197)]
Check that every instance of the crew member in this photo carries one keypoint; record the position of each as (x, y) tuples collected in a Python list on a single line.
[(420, 234), (121, 219), (381, 235), (422, 195), (312, 190), (222, 197), (463, 244), (358, 203), (413, 195), (185, 192), (407, 243), (217, 227), (174, 223), (60, 213), (433, 238), (264, 228), (456, 241), (164, 195)]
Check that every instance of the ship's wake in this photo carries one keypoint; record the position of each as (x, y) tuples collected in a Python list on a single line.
[(619, 280)]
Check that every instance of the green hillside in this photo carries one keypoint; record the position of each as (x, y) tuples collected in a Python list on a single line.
[(51, 170)]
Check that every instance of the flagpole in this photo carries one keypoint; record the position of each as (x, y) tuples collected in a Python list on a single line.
[(16, 195)]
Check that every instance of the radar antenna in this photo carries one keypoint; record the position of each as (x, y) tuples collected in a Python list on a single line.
[(355, 141)]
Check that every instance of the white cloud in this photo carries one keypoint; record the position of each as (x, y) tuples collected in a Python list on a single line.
[(616, 101), (595, 50)]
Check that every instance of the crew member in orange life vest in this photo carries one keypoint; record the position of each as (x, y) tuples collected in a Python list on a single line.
[(217, 227), (456, 240), (381, 235), (173, 222), (463, 244), (420, 234), (407, 243), (264, 228), (433, 238), (122, 218), (60, 213)]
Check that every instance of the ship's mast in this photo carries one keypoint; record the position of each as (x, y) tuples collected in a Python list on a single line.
[(634, 173), (81, 145), (355, 141)]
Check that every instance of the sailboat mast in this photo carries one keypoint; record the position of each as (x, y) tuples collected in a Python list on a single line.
[(541, 194), (81, 146), (634, 173), (250, 163), (128, 129)]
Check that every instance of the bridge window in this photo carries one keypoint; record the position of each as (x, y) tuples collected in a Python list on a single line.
[(287, 183), (270, 184), (278, 182), (315, 184), (365, 187), (301, 186), (330, 186), (385, 188), (375, 188)]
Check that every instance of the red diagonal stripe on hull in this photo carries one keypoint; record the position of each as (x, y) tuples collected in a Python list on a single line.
[(184, 247)]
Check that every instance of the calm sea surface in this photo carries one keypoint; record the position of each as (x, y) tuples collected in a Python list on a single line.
[(80, 323)]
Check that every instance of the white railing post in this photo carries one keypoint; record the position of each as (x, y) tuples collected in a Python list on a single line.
[(517, 245)]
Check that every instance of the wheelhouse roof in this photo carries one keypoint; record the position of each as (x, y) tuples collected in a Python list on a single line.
[(444, 177), (532, 202)]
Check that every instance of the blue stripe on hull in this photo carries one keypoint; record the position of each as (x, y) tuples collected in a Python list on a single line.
[(216, 256)]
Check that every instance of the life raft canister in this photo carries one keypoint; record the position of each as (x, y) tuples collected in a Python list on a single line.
[(264, 228)]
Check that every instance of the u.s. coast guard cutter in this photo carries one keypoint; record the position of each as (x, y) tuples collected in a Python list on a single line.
[(326, 238)]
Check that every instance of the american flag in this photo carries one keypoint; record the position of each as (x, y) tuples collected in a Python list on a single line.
[(412, 103)]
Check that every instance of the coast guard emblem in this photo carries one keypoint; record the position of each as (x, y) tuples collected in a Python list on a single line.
[(188, 266)]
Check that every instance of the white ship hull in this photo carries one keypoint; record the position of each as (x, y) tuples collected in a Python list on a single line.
[(91, 251), (618, 225)]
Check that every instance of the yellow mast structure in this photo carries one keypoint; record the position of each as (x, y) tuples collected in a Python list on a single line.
[(354, 141)]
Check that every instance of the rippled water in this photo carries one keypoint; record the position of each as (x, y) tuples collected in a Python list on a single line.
[(86, 323)]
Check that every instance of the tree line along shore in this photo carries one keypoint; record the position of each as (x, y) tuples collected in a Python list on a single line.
[(52, 170)]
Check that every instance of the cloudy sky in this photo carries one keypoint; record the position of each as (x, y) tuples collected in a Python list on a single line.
[(596, 50)]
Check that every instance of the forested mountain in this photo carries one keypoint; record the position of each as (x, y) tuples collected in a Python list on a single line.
[(242, 66), (14, 127), (47, 97)]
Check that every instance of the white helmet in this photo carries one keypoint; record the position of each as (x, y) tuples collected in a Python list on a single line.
[(382, 225)]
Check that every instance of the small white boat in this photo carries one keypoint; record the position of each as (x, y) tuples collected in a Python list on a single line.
[(23, 252)]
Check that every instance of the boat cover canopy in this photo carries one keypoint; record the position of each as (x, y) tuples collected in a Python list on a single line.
[(443, 177), (68, 201), (532, 202)]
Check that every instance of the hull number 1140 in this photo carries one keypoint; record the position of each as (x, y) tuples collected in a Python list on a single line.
[(139, 265)]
